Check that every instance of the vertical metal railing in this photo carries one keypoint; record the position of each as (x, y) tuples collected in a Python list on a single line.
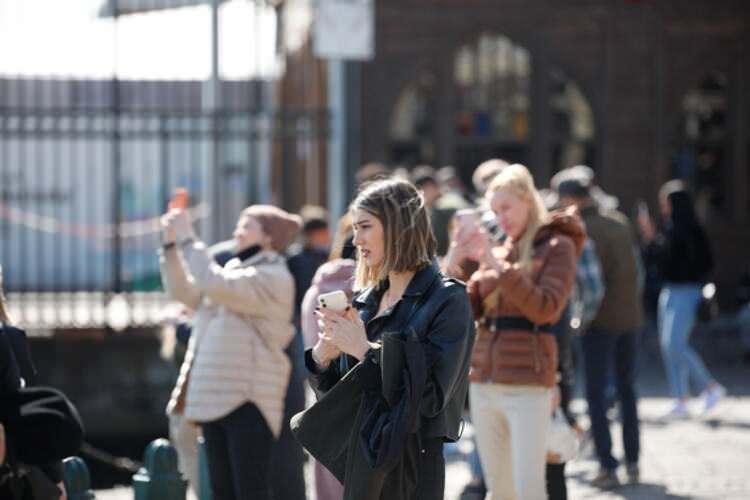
[(88, 163)]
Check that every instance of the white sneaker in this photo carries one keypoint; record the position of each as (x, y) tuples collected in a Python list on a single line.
[(712, 396), (679, 411)]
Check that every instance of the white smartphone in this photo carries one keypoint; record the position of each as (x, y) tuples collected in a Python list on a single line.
[(467, 217), (335, 301)]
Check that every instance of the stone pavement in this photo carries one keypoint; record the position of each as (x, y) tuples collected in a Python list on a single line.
[(700, 459)]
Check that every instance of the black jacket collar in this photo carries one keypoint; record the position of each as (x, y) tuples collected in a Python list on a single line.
[(369, 298), (249, 252)]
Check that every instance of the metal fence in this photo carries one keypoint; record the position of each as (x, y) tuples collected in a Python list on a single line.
[(81, 192), (87, 166)]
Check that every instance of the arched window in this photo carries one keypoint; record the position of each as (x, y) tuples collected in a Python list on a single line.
[(480, 107), (492, 81), (412, 122), (493, 101), (572, 124)]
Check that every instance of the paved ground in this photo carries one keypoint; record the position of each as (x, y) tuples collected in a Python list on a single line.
[(704, 458)]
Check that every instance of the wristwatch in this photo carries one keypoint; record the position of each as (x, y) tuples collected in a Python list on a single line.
[(187, 241)]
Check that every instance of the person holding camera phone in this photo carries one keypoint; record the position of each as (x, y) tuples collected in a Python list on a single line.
[(235, 373), (519, 292), (683, 253), (400, 297)]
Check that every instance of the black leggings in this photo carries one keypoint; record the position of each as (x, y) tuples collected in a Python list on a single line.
[(238, 449)]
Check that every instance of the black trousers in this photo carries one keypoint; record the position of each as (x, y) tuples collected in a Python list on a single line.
[(604, 354), (556, 487), (238, 449)]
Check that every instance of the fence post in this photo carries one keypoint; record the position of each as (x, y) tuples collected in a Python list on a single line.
[(159, 478), (77, 480), (204, 481)]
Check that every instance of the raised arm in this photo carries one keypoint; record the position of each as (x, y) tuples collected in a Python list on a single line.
[(178, 285), (252, 290)]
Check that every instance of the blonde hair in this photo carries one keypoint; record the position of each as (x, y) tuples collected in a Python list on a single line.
[(518, 180), (409, 244)]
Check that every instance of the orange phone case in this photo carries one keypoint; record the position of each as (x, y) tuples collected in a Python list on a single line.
[(179, 199)]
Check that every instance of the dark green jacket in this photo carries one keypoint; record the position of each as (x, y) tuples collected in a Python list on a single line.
[(621, 308)]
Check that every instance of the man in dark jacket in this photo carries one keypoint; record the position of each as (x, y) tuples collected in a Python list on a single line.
[(17, 370), (609, 345)]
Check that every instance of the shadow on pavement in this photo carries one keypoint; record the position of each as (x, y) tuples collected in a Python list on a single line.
[(649, 491), (718, 424), (713, 423), (640, 491)]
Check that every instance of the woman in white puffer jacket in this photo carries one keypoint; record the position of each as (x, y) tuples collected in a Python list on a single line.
[(235, 374)]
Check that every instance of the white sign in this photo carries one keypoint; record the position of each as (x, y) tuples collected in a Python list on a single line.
[(345, 29)]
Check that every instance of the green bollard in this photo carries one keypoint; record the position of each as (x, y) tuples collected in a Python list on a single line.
[(159, 478), (204, 485), (77, 480)]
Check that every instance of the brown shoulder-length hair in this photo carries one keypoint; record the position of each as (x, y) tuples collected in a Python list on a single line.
[(409, 242)]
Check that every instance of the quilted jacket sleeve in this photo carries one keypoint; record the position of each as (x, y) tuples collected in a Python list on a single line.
[(252, 290), (544, 300)]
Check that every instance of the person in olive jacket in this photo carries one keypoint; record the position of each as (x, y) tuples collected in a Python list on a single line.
[(399, 289), (610, 341)]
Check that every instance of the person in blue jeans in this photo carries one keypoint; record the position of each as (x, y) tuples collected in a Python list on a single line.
[(685, 260)]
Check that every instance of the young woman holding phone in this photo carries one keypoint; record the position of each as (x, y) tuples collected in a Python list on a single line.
[(235, 373), (399, 291), (518, 293)]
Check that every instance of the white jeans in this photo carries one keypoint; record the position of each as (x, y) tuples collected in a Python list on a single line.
[(511, 424)]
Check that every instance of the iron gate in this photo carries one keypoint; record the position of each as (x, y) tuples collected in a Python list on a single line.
[(87, 166)]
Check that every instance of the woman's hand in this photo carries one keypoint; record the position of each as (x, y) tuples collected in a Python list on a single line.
[(169, 235), (63, 493), (646, 226), (488, 257), (344, 330), (323, 352), (176, 225), (466, 244)]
